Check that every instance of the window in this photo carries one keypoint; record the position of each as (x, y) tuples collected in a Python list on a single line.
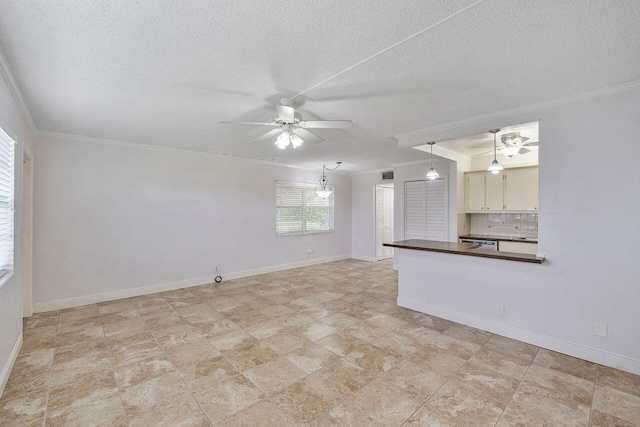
[(6, 202), (301, 211)]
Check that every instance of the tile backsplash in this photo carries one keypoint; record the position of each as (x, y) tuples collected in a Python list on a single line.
[(505, 224)]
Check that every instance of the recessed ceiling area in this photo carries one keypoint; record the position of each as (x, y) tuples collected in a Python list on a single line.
[(166, 74), (482, 144)]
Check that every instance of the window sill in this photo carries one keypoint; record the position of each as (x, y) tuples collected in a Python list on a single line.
[(305, 233)]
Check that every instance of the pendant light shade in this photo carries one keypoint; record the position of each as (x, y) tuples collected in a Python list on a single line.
[(432, 174), (323, 191), (495, 167)]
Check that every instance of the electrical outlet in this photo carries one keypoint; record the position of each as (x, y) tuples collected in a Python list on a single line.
[(309, 251), (163, 273), (600, 329), (500, 309)]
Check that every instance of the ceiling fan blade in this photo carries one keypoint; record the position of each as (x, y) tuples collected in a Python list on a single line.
[(531, 144), (523, 151), (267, 136), (326, 124), (250, 123), (286, 113), (307, 136)]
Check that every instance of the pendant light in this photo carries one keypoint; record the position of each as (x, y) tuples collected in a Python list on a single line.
[(495, 167), (325, 192), (432, 174)]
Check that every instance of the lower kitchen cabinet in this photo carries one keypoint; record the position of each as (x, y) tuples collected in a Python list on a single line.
[(518, 247)]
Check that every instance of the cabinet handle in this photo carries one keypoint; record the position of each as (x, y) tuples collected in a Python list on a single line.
[(535, 207)]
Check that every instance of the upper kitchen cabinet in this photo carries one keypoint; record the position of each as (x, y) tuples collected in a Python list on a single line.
[(521, 189), (494, 191), (514, 190), (475, 191)]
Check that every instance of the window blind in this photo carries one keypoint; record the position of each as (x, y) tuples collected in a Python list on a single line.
[(7, 149), (299, 210)]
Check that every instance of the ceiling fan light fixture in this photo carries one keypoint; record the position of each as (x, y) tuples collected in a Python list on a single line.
[(283, 141), (296, 141), (511, 150)]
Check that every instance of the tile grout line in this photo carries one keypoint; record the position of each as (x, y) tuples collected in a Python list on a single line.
[(170, 361), (593, 394), (53, 358), (519, 383), (113, 368)]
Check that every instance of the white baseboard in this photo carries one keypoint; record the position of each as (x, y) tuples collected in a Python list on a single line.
[(560, 345), (6, 370), (170, 286), (364, 258)]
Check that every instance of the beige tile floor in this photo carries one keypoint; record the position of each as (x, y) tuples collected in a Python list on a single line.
[(323, 345)]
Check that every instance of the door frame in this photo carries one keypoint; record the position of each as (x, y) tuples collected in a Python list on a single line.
[(375, 218), (26, 235)]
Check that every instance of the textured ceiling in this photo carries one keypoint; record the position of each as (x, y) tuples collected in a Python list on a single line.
[(164, 73)]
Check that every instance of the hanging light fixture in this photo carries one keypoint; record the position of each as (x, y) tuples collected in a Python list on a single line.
[(325, 192), (495, 167), (432, 174)]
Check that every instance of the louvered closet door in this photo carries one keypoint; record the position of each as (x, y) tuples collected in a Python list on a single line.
[(437, 210), (415, 210), (426, 210)]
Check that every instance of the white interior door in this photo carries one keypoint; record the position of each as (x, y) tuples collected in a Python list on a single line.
[(384, 220)]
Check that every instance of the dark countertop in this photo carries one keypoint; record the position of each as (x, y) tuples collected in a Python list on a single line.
[(462, 249), (495, 239)]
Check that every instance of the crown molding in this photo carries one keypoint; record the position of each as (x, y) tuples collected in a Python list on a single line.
[(5, 69), (419, 136), (137, 145)]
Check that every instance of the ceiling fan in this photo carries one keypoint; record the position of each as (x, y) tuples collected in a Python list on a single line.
[(513, 143), (291, 129)]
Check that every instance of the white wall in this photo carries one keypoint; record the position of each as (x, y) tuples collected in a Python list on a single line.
[(363, 203), (13, 122), (589, 231), (110, 218)]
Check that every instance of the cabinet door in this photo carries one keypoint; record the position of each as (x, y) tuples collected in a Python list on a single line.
[(518, 247), (521, 189), (494, 194), (475, 191)]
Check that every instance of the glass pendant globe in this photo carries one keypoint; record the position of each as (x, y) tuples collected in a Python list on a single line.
[(432, 174), (495, 167)]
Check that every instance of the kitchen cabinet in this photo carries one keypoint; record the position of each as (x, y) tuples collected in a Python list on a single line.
[(518, 247), (521, 189), (475, 191), (513, 190), (494, 191)]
